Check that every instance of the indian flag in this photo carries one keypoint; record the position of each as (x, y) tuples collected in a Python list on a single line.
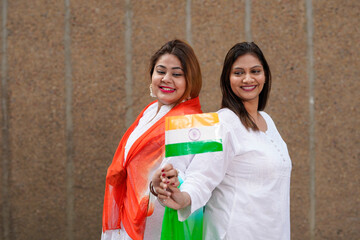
[(192, 134)]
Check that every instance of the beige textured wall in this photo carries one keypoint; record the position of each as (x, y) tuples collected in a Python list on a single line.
[(74, 76)]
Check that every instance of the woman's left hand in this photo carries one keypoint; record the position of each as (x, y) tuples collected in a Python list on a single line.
[(177, 200)]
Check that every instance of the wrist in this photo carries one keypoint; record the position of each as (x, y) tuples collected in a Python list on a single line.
[(187, 200)]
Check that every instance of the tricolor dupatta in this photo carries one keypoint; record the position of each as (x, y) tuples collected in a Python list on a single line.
[(126, 198), (184, 135)]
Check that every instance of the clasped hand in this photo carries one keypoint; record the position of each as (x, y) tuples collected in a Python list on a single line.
[(165, 182)]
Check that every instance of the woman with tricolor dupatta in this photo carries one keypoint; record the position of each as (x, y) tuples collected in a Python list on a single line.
[(246, 187), (131, 211)]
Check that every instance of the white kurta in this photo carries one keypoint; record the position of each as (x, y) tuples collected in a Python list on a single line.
[(153, 222), (246, 188)]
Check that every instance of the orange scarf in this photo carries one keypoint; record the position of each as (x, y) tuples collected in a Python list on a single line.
[(126, 198)]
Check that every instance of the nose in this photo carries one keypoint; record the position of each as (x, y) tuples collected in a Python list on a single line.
[(166, 78), (247, 79)]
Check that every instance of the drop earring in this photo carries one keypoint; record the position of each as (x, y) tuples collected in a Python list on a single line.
[(151, 92)]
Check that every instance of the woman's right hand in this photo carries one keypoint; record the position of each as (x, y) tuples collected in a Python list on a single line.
[(167, 190)]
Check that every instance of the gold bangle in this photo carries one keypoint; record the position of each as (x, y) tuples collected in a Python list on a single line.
[(152, 190)]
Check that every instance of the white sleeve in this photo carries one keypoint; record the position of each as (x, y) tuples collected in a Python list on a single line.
[(205, 173)]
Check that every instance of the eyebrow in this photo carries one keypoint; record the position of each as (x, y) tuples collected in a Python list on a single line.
[(250, 68), (162, 66)]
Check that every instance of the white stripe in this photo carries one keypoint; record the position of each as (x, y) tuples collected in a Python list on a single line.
[(192, 134)]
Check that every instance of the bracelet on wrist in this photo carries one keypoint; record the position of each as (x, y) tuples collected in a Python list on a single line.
[(152, 190)]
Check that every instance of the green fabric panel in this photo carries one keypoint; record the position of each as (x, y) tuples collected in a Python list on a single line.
[(190, 229)]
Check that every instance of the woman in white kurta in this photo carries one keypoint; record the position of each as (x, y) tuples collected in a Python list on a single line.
[(246, 187), (130, 211)]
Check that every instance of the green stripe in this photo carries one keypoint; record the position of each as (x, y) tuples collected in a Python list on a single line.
[(179, 149)]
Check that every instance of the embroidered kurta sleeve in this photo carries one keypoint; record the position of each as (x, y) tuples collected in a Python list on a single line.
[(206, 171)]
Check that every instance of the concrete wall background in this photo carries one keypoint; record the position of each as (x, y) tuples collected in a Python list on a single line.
[(73, 77)]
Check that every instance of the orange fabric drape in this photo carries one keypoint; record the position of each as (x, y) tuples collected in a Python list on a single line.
[(126, 198)]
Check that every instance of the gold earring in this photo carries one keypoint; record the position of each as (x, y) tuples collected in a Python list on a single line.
[(151, 92)]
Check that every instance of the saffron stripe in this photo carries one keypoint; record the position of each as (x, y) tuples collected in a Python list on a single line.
[(191, 121), (179, 149)]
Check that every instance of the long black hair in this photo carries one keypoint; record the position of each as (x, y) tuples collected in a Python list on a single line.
[(229, 98)]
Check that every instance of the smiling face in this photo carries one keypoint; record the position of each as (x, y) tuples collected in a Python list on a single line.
[(247, 78), (168, 80)]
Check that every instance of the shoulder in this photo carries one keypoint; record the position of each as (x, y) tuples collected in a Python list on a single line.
[(229, 119), (148, 112), (151, 107), (266, 116), (232, 130), (227, 116), (268, 120)]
